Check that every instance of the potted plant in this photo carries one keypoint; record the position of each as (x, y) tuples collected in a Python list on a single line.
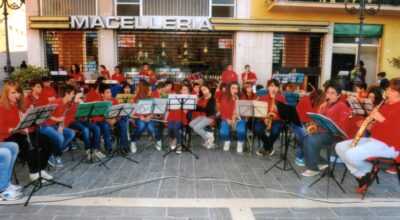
[(24, 75)]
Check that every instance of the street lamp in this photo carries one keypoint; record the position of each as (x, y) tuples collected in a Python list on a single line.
[(362, 10), (13, 5)]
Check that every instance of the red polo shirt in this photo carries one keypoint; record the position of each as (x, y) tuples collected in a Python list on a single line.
[(249, 77), (339, 113), (33, 102), (229, 76), (47, 93), (252, 96), (105, 73), (99, 118), (227, 107), (304, 106), (119, 77), (59, 112), (78, 76), (9, 119), (152, 76), (278, 98)]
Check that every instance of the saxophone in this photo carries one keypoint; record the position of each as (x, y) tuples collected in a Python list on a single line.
[(236, 118), (364, 126), (271, 115), (312, 127)]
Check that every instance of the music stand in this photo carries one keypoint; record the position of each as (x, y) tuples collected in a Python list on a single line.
[(90, 110), (253, 109), (289, 115), (125, 98), (121, 110), (159, 108), (328, 125), (182, 102), (138, 78), (34, 118)]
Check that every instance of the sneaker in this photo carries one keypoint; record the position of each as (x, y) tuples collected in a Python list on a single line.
[(173, 147), (392, 170), (52, 161), (59, 162), (45, 175), (210, 136), (13, 187), (261, 152), (271, 152), (226, 145), (99, 154), (322, 166), (208, 144), (239, 147), (158, 145), (310, 173), (33, 176), (133, 147), (11, 195), (178, 150), (300, 162)]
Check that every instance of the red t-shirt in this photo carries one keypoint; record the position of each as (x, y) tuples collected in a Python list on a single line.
[(33, 102), (47, 92), (78, 77), (253, 96), (99, 118), (304, 106), (9, 119), (59, 112), (278, 98), (177, 115), (249, 77), (388, 130), (155, 94), (152, 76), (105, 73), (70, 117), (229, 76), (92, 96), (339, 113), (227, 107), (119, 77)]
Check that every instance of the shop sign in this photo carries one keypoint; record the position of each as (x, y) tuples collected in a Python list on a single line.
[(176, 23), (126, 40), (225, 43)]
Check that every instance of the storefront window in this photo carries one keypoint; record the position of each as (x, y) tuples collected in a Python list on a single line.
[(177, 54), (127, 7), (223, 8), (64, 48)]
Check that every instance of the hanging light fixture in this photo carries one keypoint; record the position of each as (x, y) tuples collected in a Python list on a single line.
[(185, 45), (140, 45), (163, 44), (163, 53), (205, 50), (186, 52), (146, 55)]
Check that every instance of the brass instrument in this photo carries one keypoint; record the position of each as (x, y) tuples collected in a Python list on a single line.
[(312, 127), (236, 118), (271, 116), (364, 126)]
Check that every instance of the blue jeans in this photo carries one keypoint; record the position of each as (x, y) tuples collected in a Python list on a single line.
[(123, 135), (174, 130), (224, 131), (141, 126), (301, 133), (8, 155), (106, 132), (259, 130), (312, 146), (84, 127), (61, 140), (241, 129)]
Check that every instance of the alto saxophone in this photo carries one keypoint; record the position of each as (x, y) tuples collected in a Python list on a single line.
[(236, 118), (364, 126), (271, 116), (312, 127)]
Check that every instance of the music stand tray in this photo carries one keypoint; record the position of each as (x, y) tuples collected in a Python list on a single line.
[(34, 118), (89, 110), (289, 115), (182, 102)]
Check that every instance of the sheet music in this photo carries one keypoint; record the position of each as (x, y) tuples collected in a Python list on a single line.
[(326, 124), (160, 106), (189, 101), (145, 106), (356, 106), (121, 110), (367, 105), (252, 108), (138, 78), (37, 115)]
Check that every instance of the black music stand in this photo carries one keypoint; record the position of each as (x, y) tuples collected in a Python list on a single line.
[(289, 115), (34, 118), (182, 102), (90, 110), (328, 125), (138, 78), (121, 110)]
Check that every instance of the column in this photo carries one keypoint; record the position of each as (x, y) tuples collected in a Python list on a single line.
[(327, 51)]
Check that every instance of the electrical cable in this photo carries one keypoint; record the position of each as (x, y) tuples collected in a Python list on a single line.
[(143, 182)]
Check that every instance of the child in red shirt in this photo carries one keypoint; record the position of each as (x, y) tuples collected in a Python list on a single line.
[(118, 75)]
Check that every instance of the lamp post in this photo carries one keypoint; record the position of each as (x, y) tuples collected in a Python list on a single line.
[(13, 5), (362, 10)]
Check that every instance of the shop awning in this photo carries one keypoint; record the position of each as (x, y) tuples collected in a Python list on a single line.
[(352, 30)]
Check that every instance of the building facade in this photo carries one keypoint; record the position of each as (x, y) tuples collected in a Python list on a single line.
[(185, 36)]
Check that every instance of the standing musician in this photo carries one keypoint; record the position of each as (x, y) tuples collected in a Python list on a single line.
[(76, 73), (206, 107), (383, 142), (176, 119), (118, 75), (272, 120), (12, 108), (49, 94), (229, 75), (54, 127), (146, 71), (311, 103), (227, 110), (34, 99), (106, 124), (144, 121), (248, 76), (245, 123), (339, 113)]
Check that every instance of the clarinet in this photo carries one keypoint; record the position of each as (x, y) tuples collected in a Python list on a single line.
[(28, 139)]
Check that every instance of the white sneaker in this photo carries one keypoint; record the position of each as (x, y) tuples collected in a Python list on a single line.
[(239, 147), (208, 144), (33, 176), (45, 175), (210, 137), (173, 147), (133, 147), (226, 145), (11, 195), (310, 173), (99, 154), (14, 187), (158, 145), (322, 166), (178, 150)]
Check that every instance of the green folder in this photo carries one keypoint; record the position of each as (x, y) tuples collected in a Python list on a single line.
[(92, 109)]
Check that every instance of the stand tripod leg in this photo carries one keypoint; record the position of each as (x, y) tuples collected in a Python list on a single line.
[(187, 149), (275, 164)]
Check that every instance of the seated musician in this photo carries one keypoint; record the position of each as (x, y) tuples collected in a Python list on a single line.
[(33, 98), (228, 115), (176, 119), (84, 127), (311, 103), (146, 71), (361, 89), (245, 123), (106, 124), (104, 72), (48, 94), (273, 120), (339, 113), (12, 107), (118, 75), (76, 73), (55, 129), (126, 88), (94, 94), (8, 155), (168, 89), (383, 142), (156, 94), (206, 110), (144, 121)]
